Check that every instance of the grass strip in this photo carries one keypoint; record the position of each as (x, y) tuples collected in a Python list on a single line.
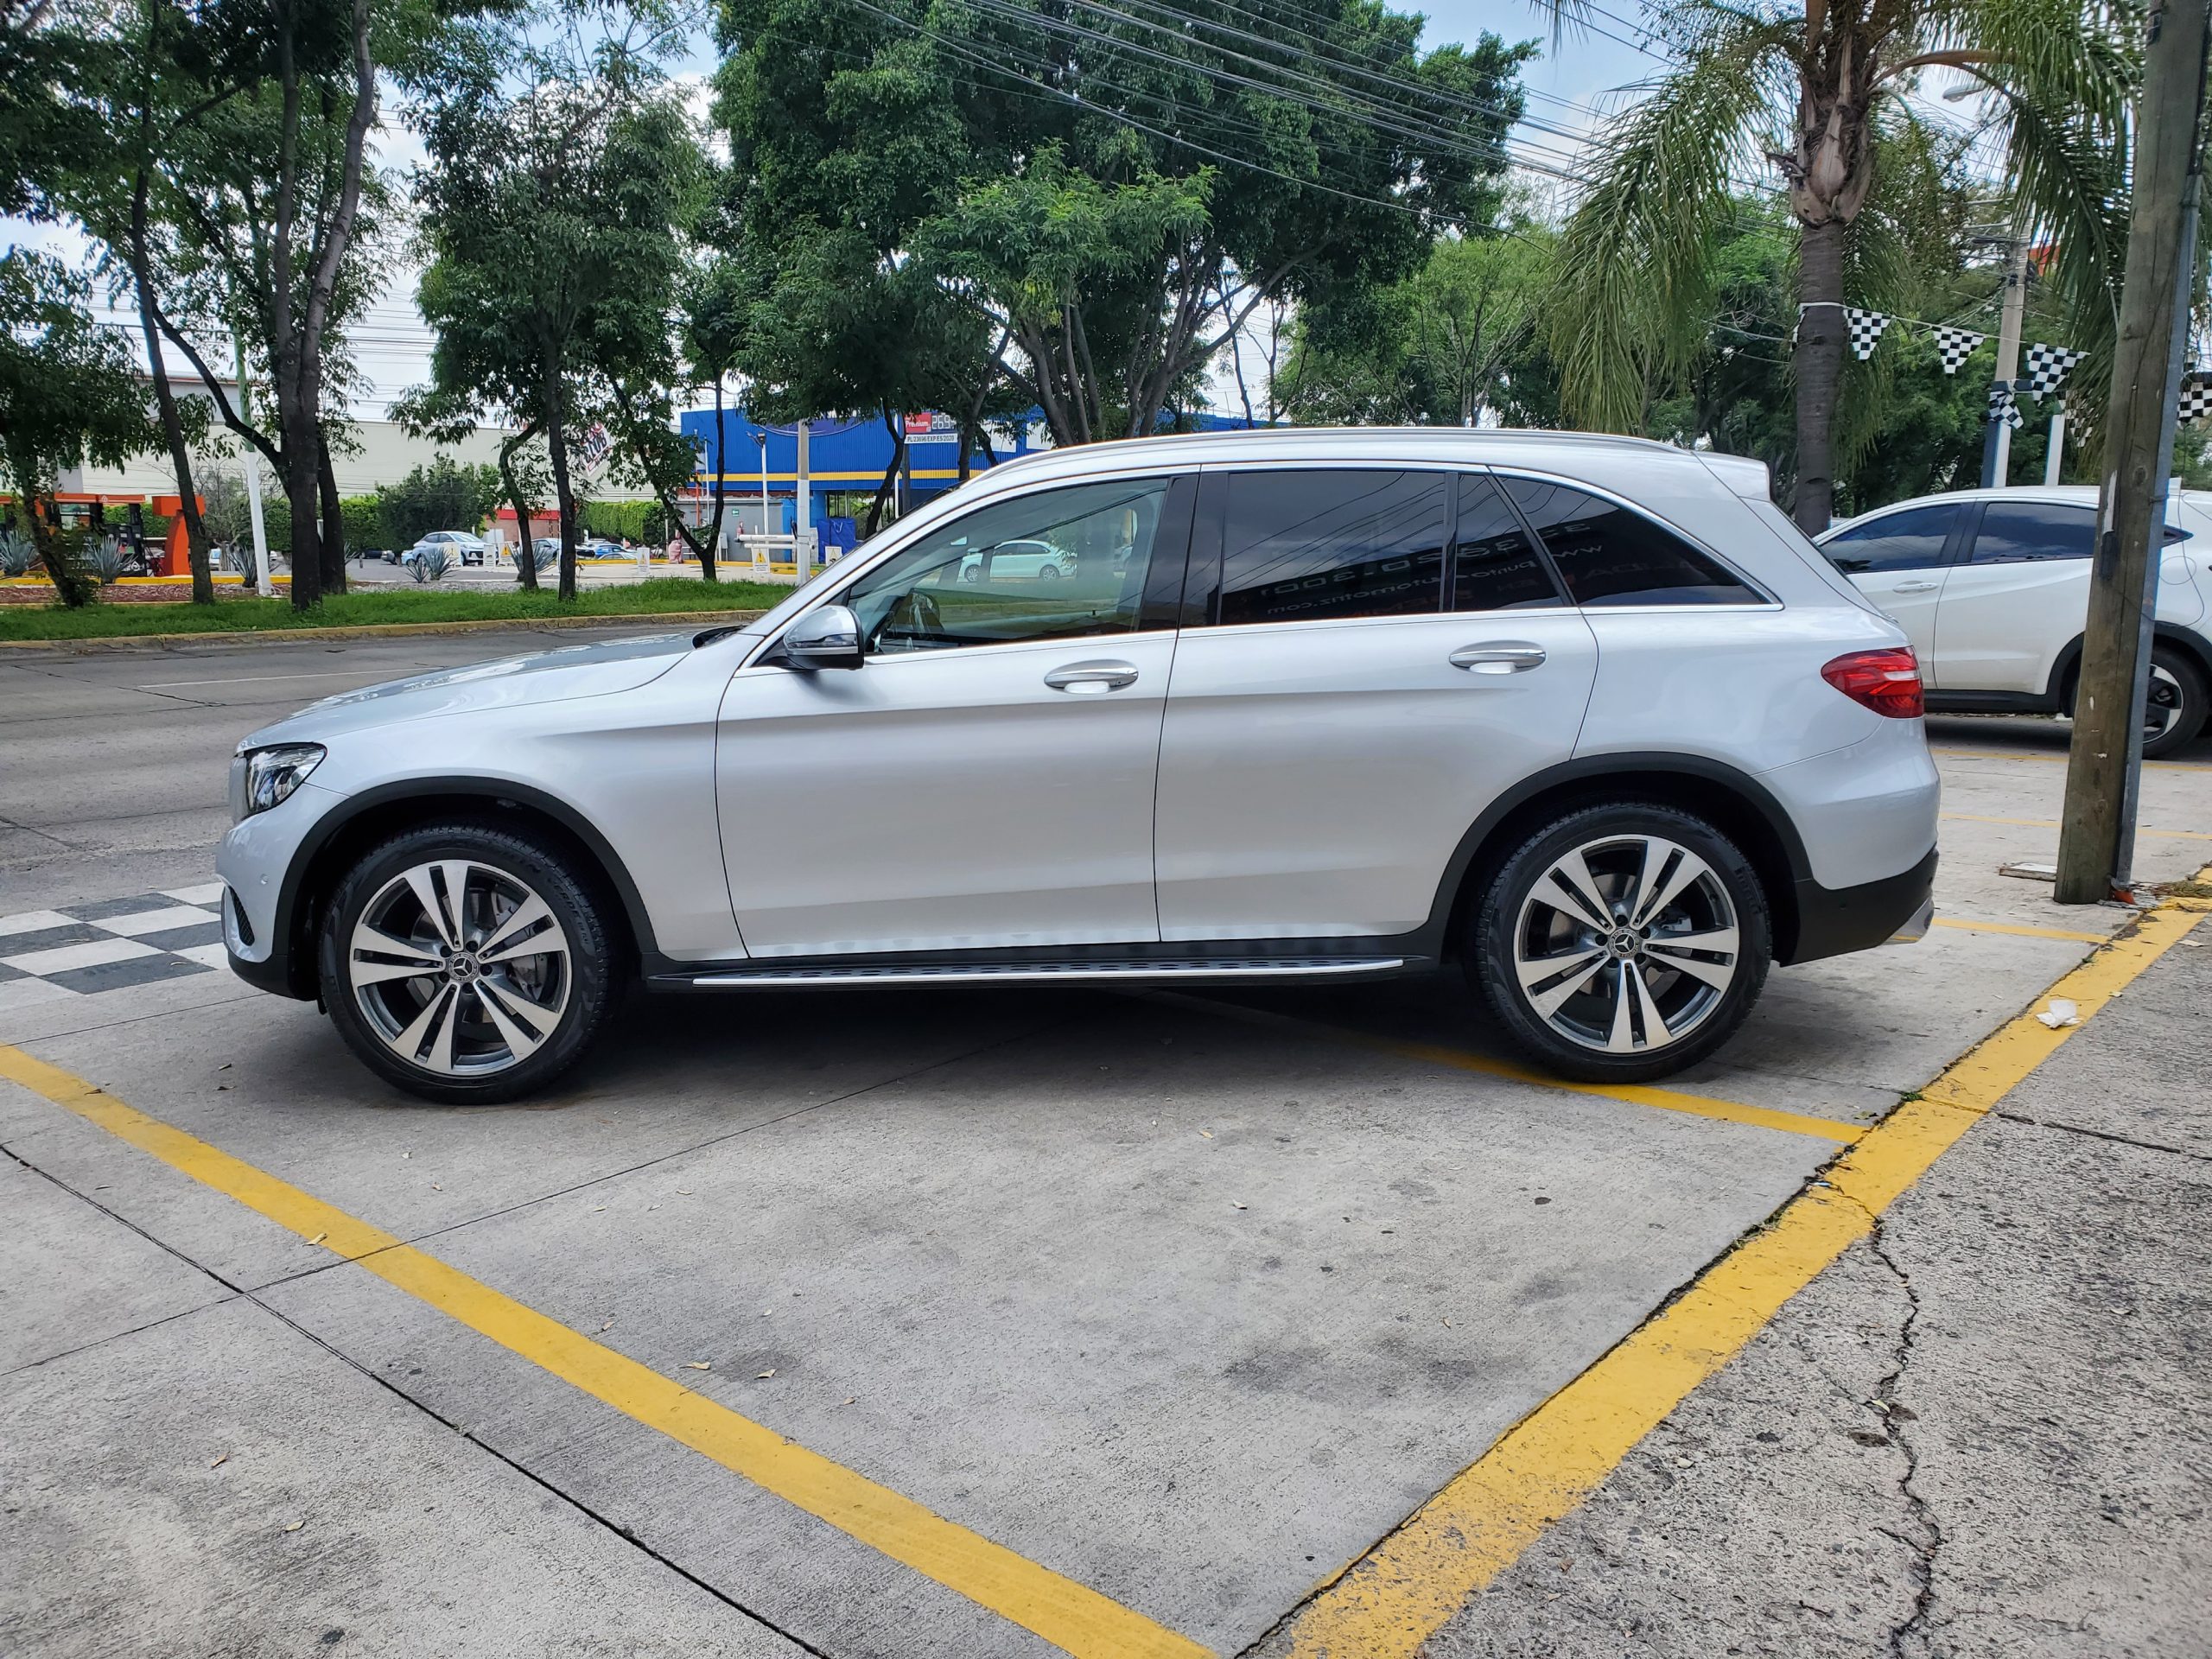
[(370, 607)]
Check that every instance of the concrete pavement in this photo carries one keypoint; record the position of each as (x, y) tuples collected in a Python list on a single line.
[(1186, 1303)]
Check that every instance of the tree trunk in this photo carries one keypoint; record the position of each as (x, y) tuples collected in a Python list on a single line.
[(526, 548), (302, 495), (712, 546), (897, 427), (203, 584), (1819, 362), (74, 587), (556, 444), (333, 519)]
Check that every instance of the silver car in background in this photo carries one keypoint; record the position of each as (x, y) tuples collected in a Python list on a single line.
[(1585, 715)]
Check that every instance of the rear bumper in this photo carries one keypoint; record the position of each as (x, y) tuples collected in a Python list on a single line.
[(1832, 921)]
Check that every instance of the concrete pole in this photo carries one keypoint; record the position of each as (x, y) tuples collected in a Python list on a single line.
[(1997, 451), (2058, 445), (806, 487), (2096, 841), (262, 585)]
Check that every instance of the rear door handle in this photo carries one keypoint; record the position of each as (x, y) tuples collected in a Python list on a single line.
[(1916, 588), (1089, 679), (1498, 656)]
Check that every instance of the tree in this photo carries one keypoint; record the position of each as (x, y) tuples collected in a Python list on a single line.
[(552, 214), (444, 495), (1634, 280), (1107, 195), (68, 393), (1433, 349)]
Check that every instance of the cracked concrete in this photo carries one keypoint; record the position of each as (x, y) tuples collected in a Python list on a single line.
[(1982, 1433)]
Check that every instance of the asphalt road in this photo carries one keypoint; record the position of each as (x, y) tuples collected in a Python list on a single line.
[(1162, 1310)]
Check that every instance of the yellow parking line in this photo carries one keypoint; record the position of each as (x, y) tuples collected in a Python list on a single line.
[(2053, 824), (1666, 1100), (2054, 759), (1070, 1616), (1971, 926), (1390, 1601)]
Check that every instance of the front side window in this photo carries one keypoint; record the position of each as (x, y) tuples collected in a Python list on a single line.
[(1911, 540), (1495, 567), (1609, 555), (1061, 564), (1326, 545), (2020, 532)]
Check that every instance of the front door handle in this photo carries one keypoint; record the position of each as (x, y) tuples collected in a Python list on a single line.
[(1498, 656), (1916, 588), (1089, 679)]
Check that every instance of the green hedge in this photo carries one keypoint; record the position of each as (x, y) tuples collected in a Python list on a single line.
[(365, 529), (641, 521)]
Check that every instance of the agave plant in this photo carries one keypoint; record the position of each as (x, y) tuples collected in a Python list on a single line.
[(103, 558), (1818, 89), (431, 564), (238, 555), (16, 554)]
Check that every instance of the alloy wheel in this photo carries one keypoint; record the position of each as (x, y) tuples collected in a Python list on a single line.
[(1626, 945), (459, 967)]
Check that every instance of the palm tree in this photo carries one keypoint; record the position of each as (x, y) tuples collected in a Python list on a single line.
[(1819, 91)]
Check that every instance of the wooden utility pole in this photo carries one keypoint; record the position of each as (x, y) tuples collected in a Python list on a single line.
[(1996, 442), (2096, 844)]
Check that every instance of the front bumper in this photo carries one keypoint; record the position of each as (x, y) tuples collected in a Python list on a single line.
[(261, 861), (1832, 921)]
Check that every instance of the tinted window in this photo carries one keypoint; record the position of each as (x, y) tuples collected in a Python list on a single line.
[(1302, 546), (1495, 567), (2014, 532), (1061, 564), (1609, 555), (1911, 540)]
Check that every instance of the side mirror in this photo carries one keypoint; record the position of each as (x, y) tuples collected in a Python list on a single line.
[(827, 636)]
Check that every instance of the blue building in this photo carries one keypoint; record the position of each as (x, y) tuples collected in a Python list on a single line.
[(846, 458)]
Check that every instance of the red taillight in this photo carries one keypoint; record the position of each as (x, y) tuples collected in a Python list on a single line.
[(1888, 682)]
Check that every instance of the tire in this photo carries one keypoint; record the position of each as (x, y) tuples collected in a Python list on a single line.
[(523, 1018), (2178, 699), (1573, 1025)]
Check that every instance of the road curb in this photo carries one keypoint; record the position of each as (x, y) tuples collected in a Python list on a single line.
[(380, 631)]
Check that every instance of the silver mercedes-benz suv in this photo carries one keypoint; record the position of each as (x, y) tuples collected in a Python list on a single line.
[(1584, 713)]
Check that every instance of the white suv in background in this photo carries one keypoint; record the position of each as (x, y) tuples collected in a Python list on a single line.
[(1993, 589), (1584, 715)]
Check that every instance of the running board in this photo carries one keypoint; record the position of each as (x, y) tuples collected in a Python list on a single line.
[(1040, 973)]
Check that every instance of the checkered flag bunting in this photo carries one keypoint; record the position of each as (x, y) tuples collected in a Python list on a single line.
[(2048, 366), (1863, 328), (2195, 396), (1954, 345), (2004, 406)]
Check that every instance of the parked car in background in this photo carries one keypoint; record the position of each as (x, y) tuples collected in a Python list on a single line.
[(461, 547), (1993, 589), (1020, 561)]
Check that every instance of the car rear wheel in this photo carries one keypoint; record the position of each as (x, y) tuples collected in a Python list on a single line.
[(2173, 715), (1621, 943), (466, 964)]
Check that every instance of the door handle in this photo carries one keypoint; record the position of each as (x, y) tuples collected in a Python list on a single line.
[(1498, 656), (1916, 588), (1089, 679)]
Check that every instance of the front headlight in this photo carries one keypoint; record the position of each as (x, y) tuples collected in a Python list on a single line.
[(271, 774)]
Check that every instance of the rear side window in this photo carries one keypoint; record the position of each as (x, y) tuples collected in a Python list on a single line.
[(1611, 556), (1911, 540), (1495, 565), (1323, 544), (2021, 532)]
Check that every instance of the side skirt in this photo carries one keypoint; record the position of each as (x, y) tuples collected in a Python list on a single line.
[(1135, 970)]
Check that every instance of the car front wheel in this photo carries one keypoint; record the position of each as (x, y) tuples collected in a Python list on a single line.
[(2174, 711), (1620, 943), (466, 964)]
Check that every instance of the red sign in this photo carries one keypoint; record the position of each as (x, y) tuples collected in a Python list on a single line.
[(917, 425)]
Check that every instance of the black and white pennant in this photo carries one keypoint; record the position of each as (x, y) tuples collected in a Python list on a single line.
[(1863, 328), (1954, 345), (2196, 397), (2004, 406), (2048, 366)]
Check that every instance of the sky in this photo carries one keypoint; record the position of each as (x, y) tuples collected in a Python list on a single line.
[(1568, 90)]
